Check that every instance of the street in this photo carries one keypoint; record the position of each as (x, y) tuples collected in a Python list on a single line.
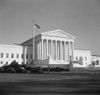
[(50, 84)]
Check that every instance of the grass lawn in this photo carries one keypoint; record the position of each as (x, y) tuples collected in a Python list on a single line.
[(50, 84)]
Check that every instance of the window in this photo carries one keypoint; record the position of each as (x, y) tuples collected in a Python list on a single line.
[(7, 55), (76, 58), (26, 62), (22, 55), (17, 56), (85, 58), (6, 63), (31, 56), (81, 58), (97, 62), (1, 62), (1, 55), (27, 56), (12, 55)]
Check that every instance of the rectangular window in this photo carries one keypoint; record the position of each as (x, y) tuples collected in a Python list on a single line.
[(6, 63), (85, 58), (31, 56), (97, 62), (12, 55), (22, 55), (7, 55), (76, 58), (17, 56), (27, 56), (1, 55)]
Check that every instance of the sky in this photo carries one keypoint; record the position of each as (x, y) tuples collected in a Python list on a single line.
[(80, 18)]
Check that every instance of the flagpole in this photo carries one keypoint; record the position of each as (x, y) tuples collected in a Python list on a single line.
[(33, 40), (34, 27)]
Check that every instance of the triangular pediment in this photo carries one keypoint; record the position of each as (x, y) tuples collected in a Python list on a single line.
[(58, 33)]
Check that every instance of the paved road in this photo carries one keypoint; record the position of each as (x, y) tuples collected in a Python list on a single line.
[(50, 84)]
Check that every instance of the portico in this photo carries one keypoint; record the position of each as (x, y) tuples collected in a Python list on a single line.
[(55, 45), (58, 50)]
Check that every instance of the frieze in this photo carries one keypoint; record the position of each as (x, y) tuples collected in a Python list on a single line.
[(58, 33)]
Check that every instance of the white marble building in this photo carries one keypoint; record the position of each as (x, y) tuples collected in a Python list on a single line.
[(51, 48), (82, 58), (95, 60), (9, 53)]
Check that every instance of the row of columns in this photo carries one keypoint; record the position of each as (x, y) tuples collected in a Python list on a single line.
[(58, 50)]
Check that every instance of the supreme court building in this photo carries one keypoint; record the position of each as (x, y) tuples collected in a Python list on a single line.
[(54, 47)]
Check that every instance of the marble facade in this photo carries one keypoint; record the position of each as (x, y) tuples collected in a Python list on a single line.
[(56, 44)]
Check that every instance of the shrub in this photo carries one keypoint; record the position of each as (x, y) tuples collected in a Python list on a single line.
[(1, 70), (28, 68), (36, 70), (21, 70), (13, 64), (9, 70), (45, 69), (58, 69)]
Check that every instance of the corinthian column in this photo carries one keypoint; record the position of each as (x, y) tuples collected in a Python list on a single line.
[(60, 50), (47, 47), (73, 50), (64, 50), (39, 49), (56, 49), (25, 52), (68, 51), (72, 47), (51, 47), (42, 48)]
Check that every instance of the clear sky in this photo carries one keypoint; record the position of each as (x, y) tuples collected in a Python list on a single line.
[(81, 18)]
